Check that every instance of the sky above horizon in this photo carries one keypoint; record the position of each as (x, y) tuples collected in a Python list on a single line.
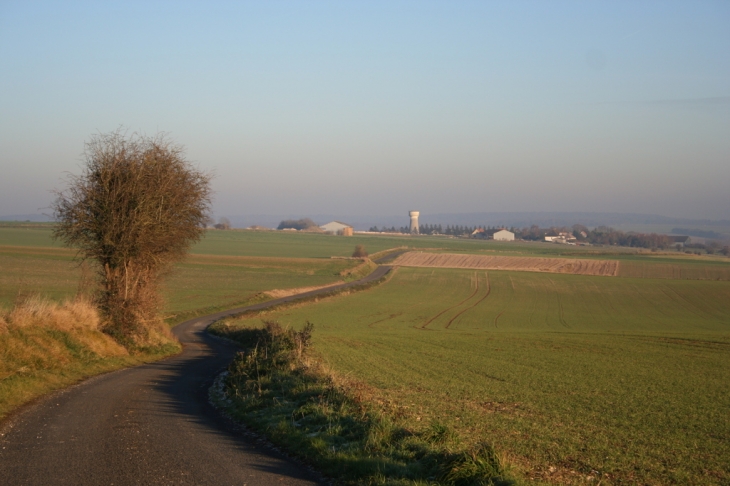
[(380, 107)]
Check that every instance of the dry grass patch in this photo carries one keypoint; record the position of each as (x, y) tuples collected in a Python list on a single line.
[(46, 345), (279, 293), (526, 264)]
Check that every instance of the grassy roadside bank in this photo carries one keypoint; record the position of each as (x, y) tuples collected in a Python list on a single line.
[(46, 346), (339, 425)]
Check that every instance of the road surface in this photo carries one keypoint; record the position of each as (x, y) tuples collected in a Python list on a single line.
[(151, 424)]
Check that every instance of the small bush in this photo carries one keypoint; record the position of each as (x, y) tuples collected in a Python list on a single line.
[(359, 252)]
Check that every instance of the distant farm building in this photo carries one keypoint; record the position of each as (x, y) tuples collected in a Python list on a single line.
[(564, 238), (503, 235), (337, 228), (499, 234)]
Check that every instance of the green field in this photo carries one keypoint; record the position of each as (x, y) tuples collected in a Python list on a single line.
[(31, 262), (234, 274), (201, 282), (569, 377), (228, 281), (313, 245)]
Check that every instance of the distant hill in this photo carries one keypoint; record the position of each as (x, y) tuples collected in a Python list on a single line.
[(712, 235), (546, 219)]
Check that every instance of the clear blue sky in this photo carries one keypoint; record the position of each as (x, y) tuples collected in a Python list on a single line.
[(379, 107)]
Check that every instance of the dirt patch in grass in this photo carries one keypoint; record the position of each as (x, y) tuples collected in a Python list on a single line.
[(279, 293), (525, 264)]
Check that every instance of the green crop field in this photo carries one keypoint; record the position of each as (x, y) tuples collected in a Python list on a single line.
[(227, 281), (673, 268), (571, 378), (199, 283), (313, 245), (31, 263), (271, 243), (26, 235)]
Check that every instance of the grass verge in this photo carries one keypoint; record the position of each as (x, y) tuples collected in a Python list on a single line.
[(360, 271), (180, 317), (223, 324), (46, 346), (338, 425)]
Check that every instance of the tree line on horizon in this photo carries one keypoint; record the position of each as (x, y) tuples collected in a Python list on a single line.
[(297, 224), (600, 235), (436, 229)]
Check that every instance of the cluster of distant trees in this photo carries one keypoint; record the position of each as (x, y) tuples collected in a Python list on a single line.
[(711, 247), (392, 229), (457, 230), (297, 224), (604, 235), (434, 229), (601, 235), (223, 224)]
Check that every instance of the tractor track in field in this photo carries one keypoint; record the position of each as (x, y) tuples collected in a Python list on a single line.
[(684, 299), (561, 311), (391, 316), (489, 290), (424, 325)]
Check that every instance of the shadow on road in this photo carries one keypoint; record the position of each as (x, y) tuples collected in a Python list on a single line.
[(187, 379)]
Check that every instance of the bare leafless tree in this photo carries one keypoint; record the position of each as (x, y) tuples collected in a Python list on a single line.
[(135, 209)]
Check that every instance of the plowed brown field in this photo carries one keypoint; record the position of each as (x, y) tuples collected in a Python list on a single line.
[(525, 264)]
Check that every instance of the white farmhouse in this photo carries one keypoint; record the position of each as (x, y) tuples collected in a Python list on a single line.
[(563, 238), (504, 235), (337, 228)]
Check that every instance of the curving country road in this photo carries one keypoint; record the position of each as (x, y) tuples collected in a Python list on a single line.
[(151, 424)]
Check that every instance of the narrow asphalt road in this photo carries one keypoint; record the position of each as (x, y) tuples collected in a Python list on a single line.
[(151, 424)]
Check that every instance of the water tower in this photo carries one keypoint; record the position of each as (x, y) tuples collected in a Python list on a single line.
[(414, 221)]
